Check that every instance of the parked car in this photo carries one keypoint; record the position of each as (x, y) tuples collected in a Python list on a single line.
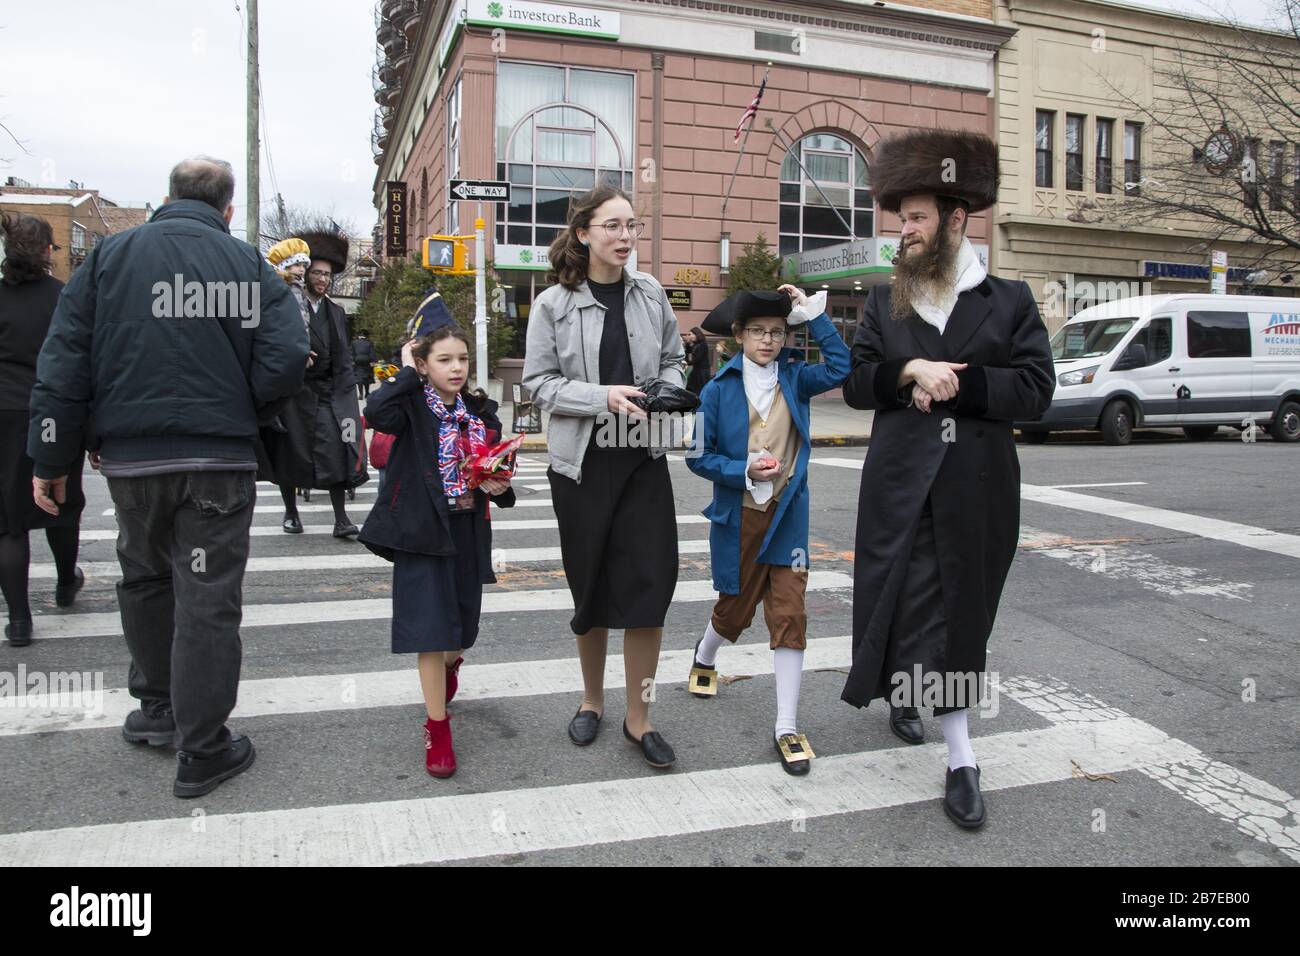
[(1195, 361)]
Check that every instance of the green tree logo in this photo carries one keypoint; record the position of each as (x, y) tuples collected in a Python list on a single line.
[(887, 252), (495, 10), (525, 255)]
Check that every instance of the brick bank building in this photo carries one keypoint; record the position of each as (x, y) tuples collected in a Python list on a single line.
[(556, 97)]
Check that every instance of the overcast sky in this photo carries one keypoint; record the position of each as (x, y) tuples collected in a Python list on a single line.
[(112, 94)]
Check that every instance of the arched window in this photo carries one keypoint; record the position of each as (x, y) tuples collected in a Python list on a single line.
[(424, 202), (560, 131), (808, 221)]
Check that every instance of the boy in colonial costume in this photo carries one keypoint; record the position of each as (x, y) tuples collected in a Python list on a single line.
[(752, 441), (290, 258), (948, 357)]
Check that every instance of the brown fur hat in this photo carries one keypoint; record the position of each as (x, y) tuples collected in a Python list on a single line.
[(918, 162), (328, 246)]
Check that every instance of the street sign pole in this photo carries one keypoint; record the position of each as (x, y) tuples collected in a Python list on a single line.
[(480, 303)]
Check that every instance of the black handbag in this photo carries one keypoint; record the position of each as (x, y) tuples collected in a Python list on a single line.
[(661, 396)]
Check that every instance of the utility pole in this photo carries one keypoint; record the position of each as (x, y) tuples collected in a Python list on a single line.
[(252, 220)]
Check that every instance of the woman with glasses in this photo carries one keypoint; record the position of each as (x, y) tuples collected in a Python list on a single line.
[(752, 441), (593, 336)]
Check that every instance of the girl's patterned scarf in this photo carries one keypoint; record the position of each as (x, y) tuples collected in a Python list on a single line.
[(450, 441)]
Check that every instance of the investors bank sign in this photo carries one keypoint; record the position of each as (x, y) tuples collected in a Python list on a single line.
[(545, 17), (858, 258)]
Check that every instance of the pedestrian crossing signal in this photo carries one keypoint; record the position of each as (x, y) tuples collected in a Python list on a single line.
[(446, 254)]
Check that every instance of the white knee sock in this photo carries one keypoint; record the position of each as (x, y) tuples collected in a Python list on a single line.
[(708, 652), (788, 664), (957, 738)]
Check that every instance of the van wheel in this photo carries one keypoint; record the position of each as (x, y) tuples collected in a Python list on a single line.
[(1200, 432), (1036, 438), (1286, 423), (1117, 423)]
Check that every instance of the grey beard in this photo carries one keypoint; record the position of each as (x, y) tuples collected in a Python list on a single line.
[(922, 276)]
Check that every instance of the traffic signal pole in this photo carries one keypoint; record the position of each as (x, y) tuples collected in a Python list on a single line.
[(480, 304)]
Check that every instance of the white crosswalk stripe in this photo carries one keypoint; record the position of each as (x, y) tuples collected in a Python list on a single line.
[(316, 509), (109, 624)]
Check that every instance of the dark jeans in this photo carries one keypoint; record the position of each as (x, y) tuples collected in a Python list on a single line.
[(182, 543)]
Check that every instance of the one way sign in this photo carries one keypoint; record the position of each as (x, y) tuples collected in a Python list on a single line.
[(485, 190)]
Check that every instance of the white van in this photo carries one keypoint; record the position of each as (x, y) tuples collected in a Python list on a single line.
[(1196, 361)]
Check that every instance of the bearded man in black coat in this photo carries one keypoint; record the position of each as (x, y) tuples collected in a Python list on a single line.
[(948, 357)]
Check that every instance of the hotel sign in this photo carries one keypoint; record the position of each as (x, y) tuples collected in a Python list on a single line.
[(395, 219)]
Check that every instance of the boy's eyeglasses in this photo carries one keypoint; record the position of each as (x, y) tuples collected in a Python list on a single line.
[(613, 228), (773, 335)]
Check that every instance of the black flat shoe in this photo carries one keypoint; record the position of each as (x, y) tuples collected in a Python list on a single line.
[(65, 594), (906, 724), (19, 633), (306, 494), (961, 798), (654, 748), (352, 494), (196, 776), (292, 525), (140, 728), (795, 752), (345, 529), (703, 682), (583, 727)]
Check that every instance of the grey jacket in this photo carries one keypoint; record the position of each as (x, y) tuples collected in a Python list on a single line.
[(562, 362)]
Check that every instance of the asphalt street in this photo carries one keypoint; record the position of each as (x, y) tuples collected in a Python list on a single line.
[(1145, 659)]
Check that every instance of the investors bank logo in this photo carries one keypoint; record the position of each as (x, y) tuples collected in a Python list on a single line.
[(544, 17)]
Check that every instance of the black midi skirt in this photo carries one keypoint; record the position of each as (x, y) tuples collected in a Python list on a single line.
[(18, 511), (618, 538), (437, 599)]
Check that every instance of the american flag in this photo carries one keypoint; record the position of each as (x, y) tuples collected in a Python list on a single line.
[(338, 230), (751, 110)]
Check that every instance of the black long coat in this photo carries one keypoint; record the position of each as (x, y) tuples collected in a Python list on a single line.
[(324, 444), (961, 454)]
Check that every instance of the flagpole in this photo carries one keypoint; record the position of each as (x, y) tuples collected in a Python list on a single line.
[(795, 153), (743, 143)]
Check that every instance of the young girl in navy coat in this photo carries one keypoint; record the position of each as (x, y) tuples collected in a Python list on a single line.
[(427, 521)]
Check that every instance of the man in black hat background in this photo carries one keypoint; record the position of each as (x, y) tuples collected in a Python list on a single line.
[(323, 444), (948, 357)]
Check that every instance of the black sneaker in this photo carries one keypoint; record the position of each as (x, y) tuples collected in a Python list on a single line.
[(196, 776), (158, 730)]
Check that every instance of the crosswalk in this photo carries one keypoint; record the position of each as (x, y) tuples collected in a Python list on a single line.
[(1060, 728)]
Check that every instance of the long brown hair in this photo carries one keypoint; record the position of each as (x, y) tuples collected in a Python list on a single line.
[(27, 247), (569, 257)]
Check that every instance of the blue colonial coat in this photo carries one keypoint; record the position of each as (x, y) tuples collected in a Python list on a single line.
[(721, 449)]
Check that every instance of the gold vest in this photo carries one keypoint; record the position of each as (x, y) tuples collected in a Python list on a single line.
[(776, 435)]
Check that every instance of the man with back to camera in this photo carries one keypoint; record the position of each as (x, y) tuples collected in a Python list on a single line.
[(176, 338)]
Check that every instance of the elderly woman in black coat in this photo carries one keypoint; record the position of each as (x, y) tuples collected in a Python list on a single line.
[(28, 295)]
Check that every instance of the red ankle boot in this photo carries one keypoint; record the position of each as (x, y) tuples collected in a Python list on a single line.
[(439, 758), (453, 678)]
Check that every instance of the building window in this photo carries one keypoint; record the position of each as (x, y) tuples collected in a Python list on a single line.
[(560, 131), (1132, 159), (812, 218), (453, 155), (425, 226), (1105, 128), (1043, 121), (1073, 151), (1250, 173), (1276, 160)]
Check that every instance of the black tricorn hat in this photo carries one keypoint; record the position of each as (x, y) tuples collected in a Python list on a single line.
[(941, 162), (329, 246), (746, 305)]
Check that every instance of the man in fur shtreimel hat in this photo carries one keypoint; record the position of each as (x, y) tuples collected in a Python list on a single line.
[(949, 358)]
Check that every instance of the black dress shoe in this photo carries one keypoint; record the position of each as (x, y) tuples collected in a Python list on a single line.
[(306, 494), (65, 594), (352, 494), (961, 798), (583, 727), (19, 633), (156, 731), (196, 776), (292, 525), (654, 748), (345, 529), (906, 724), (796, 754)]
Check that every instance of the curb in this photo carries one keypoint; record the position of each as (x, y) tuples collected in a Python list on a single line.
[(825, 441)]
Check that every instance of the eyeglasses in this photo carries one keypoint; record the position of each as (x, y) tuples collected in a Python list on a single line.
[(772, 335), (320, 273), (614, 229)]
